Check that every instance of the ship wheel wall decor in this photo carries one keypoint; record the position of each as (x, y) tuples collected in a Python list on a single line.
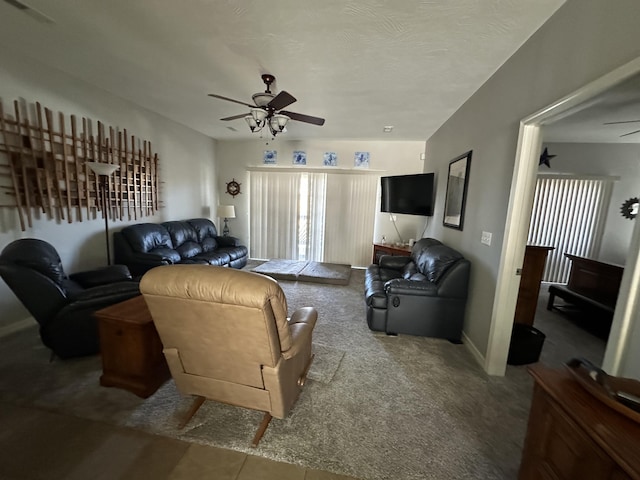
[(629, 208), (233, 188)]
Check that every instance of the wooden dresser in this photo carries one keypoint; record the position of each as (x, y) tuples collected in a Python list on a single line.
[(535, 259), (573, 435), (380, 249)]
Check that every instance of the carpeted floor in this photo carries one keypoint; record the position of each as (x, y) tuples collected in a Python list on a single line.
[(375, 407)]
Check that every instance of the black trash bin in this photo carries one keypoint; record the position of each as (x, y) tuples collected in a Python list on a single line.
[(526, 344)]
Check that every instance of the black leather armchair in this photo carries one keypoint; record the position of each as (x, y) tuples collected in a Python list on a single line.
[(424, 294), (62, 304)]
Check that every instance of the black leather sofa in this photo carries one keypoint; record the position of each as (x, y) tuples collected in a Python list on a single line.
[(146, 245), (424, 294), (63, 305)]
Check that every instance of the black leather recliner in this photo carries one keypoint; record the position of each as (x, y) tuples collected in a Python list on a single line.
[(63, 304), (146, 245), (424, 294)]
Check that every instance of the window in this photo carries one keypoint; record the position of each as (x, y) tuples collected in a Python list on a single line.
[(312, 216), (569, 214)]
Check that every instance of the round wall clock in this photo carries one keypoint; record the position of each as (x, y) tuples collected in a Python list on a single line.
[(233, 188)]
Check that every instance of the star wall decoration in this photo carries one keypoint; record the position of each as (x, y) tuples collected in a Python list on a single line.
[(545, 157)]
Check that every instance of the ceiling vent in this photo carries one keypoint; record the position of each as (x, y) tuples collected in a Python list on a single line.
[(32, 12)]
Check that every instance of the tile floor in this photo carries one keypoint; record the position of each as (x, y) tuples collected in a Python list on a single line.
[(38, 445)]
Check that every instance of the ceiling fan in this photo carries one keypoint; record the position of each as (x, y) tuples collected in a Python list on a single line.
[(625, 121), (267, 110)]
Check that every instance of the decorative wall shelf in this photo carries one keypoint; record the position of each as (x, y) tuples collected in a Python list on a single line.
[(43, 167)]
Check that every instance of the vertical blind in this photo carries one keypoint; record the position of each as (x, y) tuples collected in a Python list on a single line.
[(569, 214), (312, 216)]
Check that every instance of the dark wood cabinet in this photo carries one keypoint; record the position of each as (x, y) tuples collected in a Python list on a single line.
[(574, 435), (131, 349), (535, 258), (379, 249)]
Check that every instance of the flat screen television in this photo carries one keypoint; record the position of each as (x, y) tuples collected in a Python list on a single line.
[(409, 194)]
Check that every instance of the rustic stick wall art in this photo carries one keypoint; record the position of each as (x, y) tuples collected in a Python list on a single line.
[(43, 167)]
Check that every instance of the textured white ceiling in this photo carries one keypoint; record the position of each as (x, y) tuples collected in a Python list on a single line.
[(359, 64), (611, 117)]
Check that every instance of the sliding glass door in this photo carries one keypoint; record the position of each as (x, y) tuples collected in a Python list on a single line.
[(312, 216)]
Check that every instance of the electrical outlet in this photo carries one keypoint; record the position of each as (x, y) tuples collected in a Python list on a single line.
[(486, 238)]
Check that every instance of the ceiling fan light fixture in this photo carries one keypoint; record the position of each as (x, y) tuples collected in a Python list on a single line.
[(262, 99), (251, 122), (259, 115), (278, 122)]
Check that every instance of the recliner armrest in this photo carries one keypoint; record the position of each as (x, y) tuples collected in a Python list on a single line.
[(399, 286), (393, 262), (102, 291), (301, 327), (102, 276)]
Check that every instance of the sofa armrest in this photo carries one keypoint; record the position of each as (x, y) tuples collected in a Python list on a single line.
[(393, 262), (301, 327), (228, 241), (400, 286), (102, 276)]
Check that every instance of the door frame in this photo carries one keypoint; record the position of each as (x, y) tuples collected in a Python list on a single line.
[(517, 227)]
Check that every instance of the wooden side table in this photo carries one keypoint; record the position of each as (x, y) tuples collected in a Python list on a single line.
[(131, 349), (379, 249)]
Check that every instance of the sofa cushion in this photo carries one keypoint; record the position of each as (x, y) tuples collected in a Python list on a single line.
[(204, 228), (408, 270), (168, 254), (145, 237), (214, 258), (209, 244), (435, 260), (180, 232)]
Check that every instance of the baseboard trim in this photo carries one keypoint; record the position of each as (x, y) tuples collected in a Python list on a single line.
[(474, 350), (16, 326)]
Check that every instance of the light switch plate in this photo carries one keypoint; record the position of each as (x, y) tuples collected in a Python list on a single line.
[(486, 238)]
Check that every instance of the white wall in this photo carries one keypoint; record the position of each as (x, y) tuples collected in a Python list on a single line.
[(582, 41), (187, 164), (612, 159), (387, 158)]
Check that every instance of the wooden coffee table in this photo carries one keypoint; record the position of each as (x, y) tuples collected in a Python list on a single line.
[(131, 349)]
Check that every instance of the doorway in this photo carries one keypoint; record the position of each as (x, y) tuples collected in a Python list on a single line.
[(517, 226)]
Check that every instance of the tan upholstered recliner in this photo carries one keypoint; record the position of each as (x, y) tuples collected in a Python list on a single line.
[(226, 337)]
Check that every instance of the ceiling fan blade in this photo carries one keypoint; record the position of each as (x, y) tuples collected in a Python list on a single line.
[(617, 123), (281, 100), (235, 117), (231, 100), (304, 118), (630, 133)]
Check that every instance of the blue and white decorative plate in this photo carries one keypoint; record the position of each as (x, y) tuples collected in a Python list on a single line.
[(362, 159), (299, 157), (270, 156), (330, 159)]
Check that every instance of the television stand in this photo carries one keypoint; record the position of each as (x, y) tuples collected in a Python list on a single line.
[(380, 249)]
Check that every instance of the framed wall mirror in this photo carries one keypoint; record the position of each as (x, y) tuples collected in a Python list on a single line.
[(456, 197)]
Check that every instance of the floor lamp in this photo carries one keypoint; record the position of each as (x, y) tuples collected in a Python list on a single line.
[(226, 212), (104, 171)]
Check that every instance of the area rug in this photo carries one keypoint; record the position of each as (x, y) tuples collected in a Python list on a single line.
[(306, 271), (375, 407)]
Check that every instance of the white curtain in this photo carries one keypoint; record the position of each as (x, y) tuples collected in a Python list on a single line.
[(312, 216), (568, 214), (274, 211), (350, 217)]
